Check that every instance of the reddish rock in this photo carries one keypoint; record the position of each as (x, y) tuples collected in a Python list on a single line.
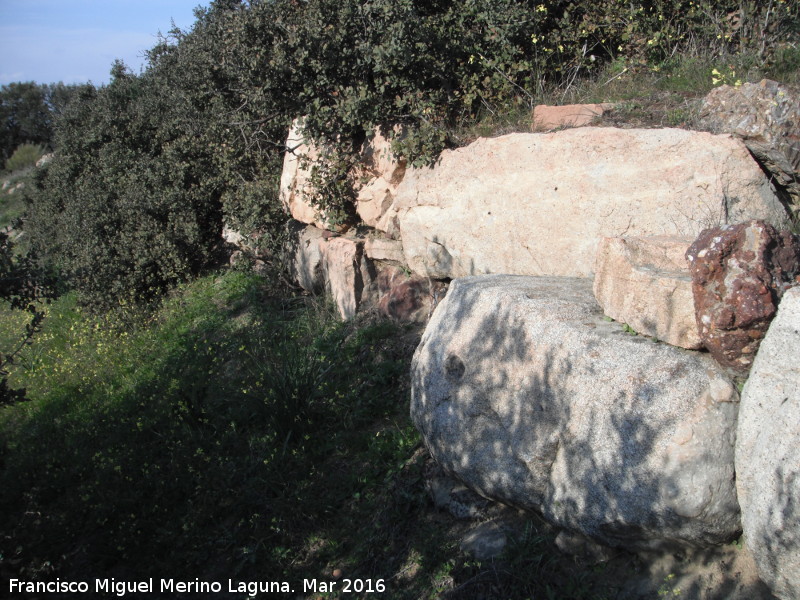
[(407, 299), (547, 118), (739, 273)]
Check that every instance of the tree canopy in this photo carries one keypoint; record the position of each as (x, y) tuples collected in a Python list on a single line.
[(149, 167)]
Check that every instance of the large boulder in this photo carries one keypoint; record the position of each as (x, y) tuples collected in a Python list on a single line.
[(522, 390), (538, 204), (768, 453), (645, 283), (766, 116), (739, 273)]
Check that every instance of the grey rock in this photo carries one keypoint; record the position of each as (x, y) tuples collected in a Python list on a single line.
[(485, 542), (766, 116), (304, 256), (768, 453), (523, 391)]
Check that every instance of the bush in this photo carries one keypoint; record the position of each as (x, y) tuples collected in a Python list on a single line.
[(22, 287), (150, 166), (25, 157), (129, 205)]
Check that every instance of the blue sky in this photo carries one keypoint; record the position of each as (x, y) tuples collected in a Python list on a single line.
[(75, 41)]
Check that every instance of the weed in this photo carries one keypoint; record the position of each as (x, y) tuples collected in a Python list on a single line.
[(628, 329), (219, 426), (668, 589)]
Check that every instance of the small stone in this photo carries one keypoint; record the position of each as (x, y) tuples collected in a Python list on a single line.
[(739, 273), (546, 118), (485, 542), (575, 544)]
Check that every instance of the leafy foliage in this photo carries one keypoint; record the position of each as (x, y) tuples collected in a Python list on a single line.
[(24, 157), (22, 286), (125, 208), (28, 112), (150, 166)]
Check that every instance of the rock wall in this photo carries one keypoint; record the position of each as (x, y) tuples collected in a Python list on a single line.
[(523, 387), (539, 204)]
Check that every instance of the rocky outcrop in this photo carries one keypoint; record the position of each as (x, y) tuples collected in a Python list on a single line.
[(766, 116), (382, 174), (739, 273), (522, 390), (295, 186), (374, 181), (645, 283), (359, 273), (547, 118), (768, 453), (538, 204)]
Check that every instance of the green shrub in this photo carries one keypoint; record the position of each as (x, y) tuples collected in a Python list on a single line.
[(150, 166), (22, 288), (129, 205), (24, 157), (198, 435)]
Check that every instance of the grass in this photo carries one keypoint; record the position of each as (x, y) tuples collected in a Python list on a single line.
[(658, 95), (235, 435), (196, 442)]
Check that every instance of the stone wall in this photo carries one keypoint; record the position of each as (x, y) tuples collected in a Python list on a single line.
[(565, 370)]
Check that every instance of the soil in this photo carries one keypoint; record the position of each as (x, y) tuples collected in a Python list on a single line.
[(721, 573)]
